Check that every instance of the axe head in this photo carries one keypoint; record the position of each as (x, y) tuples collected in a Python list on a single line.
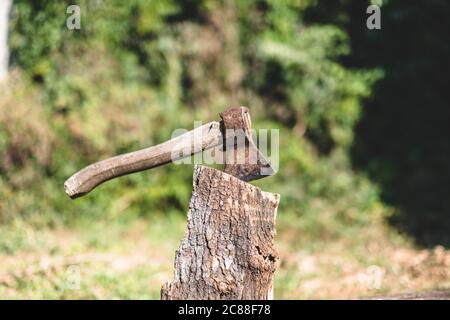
[(242, 157)]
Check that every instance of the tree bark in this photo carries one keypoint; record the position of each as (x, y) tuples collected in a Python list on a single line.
[(227, 252), (4, 56)]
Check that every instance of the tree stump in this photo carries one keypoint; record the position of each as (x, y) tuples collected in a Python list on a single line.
[(227, 252)]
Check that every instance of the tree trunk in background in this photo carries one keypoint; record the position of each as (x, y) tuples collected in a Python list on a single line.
[(5, 5), (227, 252)]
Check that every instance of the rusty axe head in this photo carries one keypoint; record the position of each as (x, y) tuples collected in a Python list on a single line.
[(242, 158)]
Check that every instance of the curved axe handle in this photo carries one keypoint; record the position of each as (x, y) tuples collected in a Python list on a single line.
[(205, 137)]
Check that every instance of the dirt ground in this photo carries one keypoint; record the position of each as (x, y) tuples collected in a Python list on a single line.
[(132, 261)]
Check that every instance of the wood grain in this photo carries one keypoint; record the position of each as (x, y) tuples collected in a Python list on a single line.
[(205, 137)]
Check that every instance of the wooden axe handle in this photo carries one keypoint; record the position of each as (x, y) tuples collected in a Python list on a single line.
[(205, 137)]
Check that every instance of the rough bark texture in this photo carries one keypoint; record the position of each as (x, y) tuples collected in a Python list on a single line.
[(227, 252)]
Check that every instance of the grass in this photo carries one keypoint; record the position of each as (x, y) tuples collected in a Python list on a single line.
[(131, 259)]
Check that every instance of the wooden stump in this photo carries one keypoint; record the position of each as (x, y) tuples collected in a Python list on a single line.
[(227, 252)]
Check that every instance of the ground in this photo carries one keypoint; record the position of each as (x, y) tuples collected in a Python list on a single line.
[(132, 259)]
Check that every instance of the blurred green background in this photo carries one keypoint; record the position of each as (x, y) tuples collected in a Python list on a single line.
[(364, 142)]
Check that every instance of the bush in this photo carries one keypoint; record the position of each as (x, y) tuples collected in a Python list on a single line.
[(137, 70)]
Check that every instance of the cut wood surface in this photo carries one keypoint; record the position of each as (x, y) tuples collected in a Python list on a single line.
[(227, 251)]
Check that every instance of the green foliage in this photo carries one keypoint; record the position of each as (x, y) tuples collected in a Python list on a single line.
[(139, 69)]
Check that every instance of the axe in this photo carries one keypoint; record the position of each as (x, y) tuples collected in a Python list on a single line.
[(233, 133)]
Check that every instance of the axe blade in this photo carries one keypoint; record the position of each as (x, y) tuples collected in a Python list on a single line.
[(242, 157)]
